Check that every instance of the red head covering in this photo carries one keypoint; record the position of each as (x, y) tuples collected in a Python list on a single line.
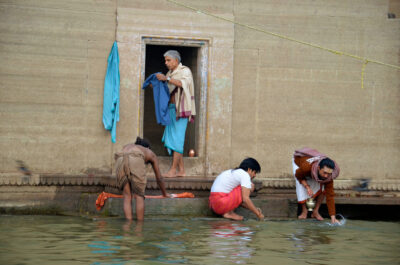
[(315, 159)]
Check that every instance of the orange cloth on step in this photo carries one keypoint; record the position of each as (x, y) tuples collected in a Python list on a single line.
[(101, 199)]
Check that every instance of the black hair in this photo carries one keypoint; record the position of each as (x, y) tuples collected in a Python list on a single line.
[(142, 142), (250, 163), (327, 162)]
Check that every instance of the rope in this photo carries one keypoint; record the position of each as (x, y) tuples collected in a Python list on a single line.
[(337, 52), (362, 73)]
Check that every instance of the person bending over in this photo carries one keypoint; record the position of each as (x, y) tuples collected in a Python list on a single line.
[(314, 173), (232, 188), (131, 175)]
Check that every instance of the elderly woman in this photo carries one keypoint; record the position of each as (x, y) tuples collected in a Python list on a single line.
[(181, 109)]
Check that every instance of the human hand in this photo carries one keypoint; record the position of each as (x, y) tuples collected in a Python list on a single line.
[(309, 191), (334, 220), (260, 214), (161, 77), (167, 195)]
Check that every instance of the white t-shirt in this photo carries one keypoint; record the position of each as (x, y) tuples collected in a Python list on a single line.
[(230, 179)]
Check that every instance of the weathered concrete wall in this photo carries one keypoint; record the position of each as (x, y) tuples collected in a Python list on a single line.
[(136, 20), (287, 95), (53, 61), (265, 96)]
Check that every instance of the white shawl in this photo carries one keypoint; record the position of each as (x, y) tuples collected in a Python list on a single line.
[(184, 97)]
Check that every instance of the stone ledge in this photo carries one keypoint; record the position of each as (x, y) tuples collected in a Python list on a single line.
[(80, 200), (340, 184), (55, 179), (186, 183), (364, 200)]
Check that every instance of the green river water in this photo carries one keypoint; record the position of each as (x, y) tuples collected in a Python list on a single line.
[(75, 240)]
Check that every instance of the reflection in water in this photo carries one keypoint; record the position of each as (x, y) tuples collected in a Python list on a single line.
[(229, 240), (172, 242), (117, 246), (102, 247), (136, 226), (309, 234), (305, 238), (70, 240)]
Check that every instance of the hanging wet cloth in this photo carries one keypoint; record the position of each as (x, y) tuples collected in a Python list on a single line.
[(111, 93)]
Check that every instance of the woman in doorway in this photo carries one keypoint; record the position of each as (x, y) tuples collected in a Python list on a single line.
[(181, 109)]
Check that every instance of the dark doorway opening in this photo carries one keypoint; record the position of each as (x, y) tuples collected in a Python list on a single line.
[(155, 63)]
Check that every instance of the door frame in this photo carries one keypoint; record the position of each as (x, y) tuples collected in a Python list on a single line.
[(203, 45)]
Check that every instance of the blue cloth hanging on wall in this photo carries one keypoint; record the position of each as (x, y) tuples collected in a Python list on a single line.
[(161, 98), (111, 93)]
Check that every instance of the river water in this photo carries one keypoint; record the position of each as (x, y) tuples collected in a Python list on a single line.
[(75, 240)]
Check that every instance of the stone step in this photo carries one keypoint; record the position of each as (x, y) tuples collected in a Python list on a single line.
[(80, 200)]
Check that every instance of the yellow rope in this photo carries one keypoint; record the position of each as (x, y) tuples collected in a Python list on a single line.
[(362, 73), (365, 60)]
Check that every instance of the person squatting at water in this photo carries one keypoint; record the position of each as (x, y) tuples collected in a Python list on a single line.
[(314, 173), (232, 188), (130, 172), (181, 109)]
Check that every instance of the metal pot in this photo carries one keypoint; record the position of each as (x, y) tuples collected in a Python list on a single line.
[(192, 153), (310, 203)]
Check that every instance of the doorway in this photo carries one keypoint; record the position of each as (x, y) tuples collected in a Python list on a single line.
[(192, 56)]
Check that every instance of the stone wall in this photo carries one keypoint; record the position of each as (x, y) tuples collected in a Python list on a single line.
[(288, 95), (160, 19), (54, 58), (265, 96)]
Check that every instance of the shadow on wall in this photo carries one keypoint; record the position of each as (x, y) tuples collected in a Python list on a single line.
[(363, 212)]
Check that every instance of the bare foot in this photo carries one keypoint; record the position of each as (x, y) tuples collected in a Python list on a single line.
[(303, 215), (181, 174), (169, 174), (317, 216), (233, 216)]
